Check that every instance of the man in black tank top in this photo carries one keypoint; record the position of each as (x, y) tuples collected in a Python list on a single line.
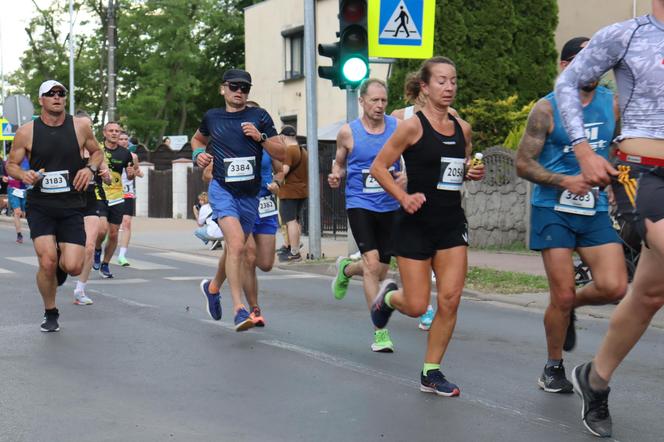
[(430, 232), (57, 179)]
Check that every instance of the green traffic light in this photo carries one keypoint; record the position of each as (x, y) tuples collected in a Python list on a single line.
[(355, 69)]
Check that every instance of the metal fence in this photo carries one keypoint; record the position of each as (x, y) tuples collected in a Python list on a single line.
[(160, 200), (195, 186)]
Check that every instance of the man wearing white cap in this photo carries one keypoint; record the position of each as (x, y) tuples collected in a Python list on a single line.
[(57, 178)]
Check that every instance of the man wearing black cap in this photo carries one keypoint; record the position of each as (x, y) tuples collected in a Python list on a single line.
[(57, 179), (568, 214), (235, 137)]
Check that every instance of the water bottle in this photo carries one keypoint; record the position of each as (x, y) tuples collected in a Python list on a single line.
[(477, 160), (40, 172)]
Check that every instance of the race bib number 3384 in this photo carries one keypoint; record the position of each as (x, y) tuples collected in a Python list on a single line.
[(239, 169)]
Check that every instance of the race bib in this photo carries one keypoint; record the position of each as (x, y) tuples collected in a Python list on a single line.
[(267, 206), (239, 169), (19, 193), (369, 183), (128, 189), (569, 202), (55, 182), (115, 202), (451, 174)]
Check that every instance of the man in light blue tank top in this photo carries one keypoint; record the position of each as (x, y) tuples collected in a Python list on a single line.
[(370, 209), (567, 214)]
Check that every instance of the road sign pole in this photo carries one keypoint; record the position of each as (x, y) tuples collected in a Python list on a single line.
[(351, 114), (18, 111), (312, 128), (71, 58)]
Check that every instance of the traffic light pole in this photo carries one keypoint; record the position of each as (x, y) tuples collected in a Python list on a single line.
[(351, 114), (312, 127)]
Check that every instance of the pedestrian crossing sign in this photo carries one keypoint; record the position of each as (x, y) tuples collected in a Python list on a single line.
[(401, 28), (7, 134)]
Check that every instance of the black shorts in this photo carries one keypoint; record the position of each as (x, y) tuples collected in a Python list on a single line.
[(113, 214), (639, 191), (420, 236), (291, 209), (90, 208), (130, 206), (372, 231), (65, 224)]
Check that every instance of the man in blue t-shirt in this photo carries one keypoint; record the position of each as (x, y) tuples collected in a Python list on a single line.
[(568, 214), (234, 136)]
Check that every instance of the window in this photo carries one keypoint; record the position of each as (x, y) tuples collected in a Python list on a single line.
[(294, 53)]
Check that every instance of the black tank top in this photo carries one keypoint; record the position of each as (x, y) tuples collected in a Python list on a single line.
[(56, 150), (434, 165)]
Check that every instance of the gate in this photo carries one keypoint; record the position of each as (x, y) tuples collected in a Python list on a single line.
[(195, 186), (160, 200)]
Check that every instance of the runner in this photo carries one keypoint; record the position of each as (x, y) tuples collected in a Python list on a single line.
[(91, 222), (416, 99), (111, 210), (129, 189), (236, 135), (568, 215), (16, 200), (431, 224), (58, 174), (633, 49), (370, 210)]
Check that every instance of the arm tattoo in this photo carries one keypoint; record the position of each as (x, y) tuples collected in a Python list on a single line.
[(530, 147)]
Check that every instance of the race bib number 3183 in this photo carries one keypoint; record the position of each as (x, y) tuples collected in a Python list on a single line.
[(55, 182)]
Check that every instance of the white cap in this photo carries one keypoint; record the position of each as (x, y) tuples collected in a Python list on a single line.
[(48, 85)]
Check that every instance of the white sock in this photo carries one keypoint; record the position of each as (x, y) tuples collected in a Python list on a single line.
[(123, 252), (80, 286)]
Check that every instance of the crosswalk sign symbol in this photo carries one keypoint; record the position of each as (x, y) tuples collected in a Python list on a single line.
[(401, 28), (6, 134)]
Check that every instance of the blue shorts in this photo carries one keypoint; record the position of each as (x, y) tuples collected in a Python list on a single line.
[(14, 201), (223, 203), (266, 226), (550, 229)]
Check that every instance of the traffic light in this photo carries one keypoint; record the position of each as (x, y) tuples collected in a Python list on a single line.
[(350, 57), (353, 43)]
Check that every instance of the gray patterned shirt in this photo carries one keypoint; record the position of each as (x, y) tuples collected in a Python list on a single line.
[(634, 49)]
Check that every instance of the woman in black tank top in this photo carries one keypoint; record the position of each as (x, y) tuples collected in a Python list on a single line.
[(431, 233)]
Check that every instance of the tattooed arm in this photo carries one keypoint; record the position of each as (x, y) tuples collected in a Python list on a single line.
[(538, 127)]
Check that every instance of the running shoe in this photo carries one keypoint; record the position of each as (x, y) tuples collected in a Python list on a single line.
[(243, 320), (80, 298), (426, 319), (19, 238), (97, 261), (570, 337), (50, 323), (104, 271), (380, 311), (212, 300), (435, 382), (382, 342), (60, 274), (553, 380), (257, 317), (283, 250), (293, 258), (340, 283), (595, 412), (123, 261)]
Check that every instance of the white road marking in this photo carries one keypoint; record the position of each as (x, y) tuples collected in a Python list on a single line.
[(260, 277), (186, 257), (117, 281), (146, 265), (5, 271), (29, 260)]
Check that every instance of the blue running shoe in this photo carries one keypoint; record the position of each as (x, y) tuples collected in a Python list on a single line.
[(104, 271), (212, 300), (435, 382), (380, 311), (426, 319), (243, 320), (97, 262)]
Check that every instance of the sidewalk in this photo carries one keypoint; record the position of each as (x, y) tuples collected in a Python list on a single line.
[(177, 235)]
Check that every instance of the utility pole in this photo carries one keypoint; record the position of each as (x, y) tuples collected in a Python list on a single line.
[(111, 37), (312, 127), (72, 101)]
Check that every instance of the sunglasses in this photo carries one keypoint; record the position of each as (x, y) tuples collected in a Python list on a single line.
[(243, 87), (54, 93)]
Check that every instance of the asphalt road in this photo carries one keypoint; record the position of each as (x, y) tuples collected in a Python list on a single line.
[(145, 363)]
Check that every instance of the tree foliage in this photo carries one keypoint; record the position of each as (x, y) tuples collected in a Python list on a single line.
[(170, 56), (502, 49)]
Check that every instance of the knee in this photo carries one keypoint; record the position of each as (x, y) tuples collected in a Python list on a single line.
[(89, 248), (614, 290), (250, 257), (563, 299), (416, 305), (373, 267), (73, 268), (234, 247), (652, 299), (265, 264), (48, 264), (448, 301), (113, 235)]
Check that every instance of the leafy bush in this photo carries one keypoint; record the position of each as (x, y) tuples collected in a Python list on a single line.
[(494, 120)]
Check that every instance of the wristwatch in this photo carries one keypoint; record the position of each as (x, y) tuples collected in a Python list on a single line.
[(92, 168), (263, 137)]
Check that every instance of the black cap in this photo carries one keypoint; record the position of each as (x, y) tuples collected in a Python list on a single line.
[(572, 47), (237, 76), (288, 130)]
